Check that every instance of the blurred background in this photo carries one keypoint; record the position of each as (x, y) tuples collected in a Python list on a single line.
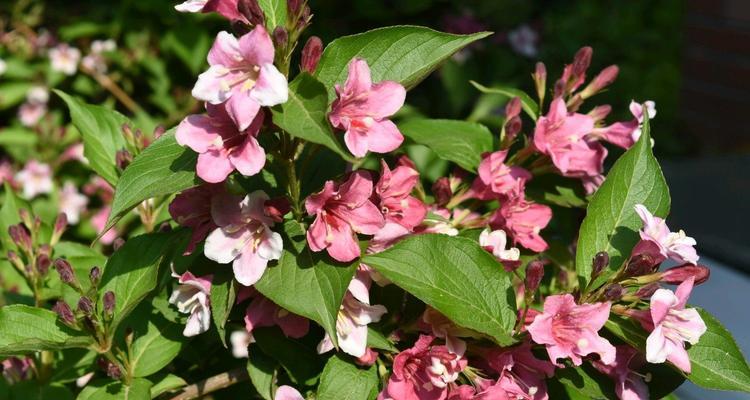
[(691, 57)]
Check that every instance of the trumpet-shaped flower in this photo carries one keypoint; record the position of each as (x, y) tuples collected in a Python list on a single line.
[(523, 220), (362, 109), (394, 196), (243, 236), (222, 147), (496, 178), (675, 245), (629, 384), (285, 392), (192, 208), (72, 203), (36, 179), (192, 296), (495, 242), (227, 8), (673, 326), (64, 58), (341, 211), (569, 330), (242, 74)]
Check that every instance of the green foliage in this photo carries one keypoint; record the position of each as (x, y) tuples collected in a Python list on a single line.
[(139, 389), (223, 295), (527, 103), (301, 362), (275, 12), (456, 277), (25, 329), (458, 141), (342, 380), (157, 341), (262, 370)]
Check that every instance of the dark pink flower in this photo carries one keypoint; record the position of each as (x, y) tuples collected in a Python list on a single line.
[(625, 134), (569, 330), (394, 196), (496, 178), (263, 312), (362, 109), (221, 146), (192, 208), (675, 245), (227, 8), (519, 365), (629, 384), (17, 369), (523, 220), (242, 74), (341, 211)]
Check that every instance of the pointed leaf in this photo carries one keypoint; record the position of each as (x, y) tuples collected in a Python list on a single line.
[(458, 141), (342, 380), (25, 329), (527, 103)]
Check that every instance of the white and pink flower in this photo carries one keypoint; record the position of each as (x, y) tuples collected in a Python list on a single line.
[(675, 245), (192, 296), (72, 203), (36, 179)]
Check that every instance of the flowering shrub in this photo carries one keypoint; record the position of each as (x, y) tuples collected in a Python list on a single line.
[(281, 242)]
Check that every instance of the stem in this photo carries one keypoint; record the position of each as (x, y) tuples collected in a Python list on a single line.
[(112, 87), (212, 384)]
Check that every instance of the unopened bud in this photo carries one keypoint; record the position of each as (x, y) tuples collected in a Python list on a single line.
[(95, 276), (113, 371), (512, 108), (15, 260), (559, 89), (165, 227), (26, 217), (367, 359), (66, 272), (61, 223), (600, 261), (20, 236), (64, 312), (158, 131), (304, 18), (45, 249), (129, 336), (582, 61), (277, 207), (109, 303), (540, 80), (280, 37), (647, 291), (251, 11), (677, 275), (43, 263), (534, 275), (293, 7), (442, 191), (614, 292), (311, 54), (123, 158), (598, 113), (641, 264), (513, 127), (118, 243), (85, 305), (601, 81), (127, 132)]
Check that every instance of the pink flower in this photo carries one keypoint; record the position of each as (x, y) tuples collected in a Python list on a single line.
[(262, 312), (192, 296), (394, 195), (629, 384), (99, 222), (220, 145), (6, 172), (495, 242), (362, 110), (523, 220), (17, 369), (227, 8), (64, 58), (564, 137), (444, 328), (36, 179), (423, 372), (244, 236), (285, 392), (354, 316), (192, 208), (673, 326), (341, 211), (520, 366), (30, 113), (675, 245), (625, 134), (242, 74), (497, 178), (74, 152), (240, 340), (72, 203), (571, 330)]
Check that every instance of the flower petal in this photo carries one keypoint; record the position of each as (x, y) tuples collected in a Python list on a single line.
[(271, 88)]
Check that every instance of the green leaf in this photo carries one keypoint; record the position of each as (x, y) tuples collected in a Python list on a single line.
[(302, 363), (32, 390), (12, 93), (9, 215), (456, 277), (163, 168), (611, 223), (458, 141), (304, 115), (133, 270), (25, 329), (308, 284), (378, 341), (101, 129), (342, 380), (262, 370), (557, 190), (586, 381), (139, 389), (527, 103), (156, 343), (716, 360), (405, 54), (72, 364), (223, 294), (275, 13), (167, 383)]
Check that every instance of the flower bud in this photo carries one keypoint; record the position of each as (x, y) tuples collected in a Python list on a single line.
[(118, 243), (276, 208), (123, 158), (293, 7), (66, 272), (158, 131), (311, 54), (109, 303), (26, 217), (165, 227), (85, 305), (614, 292), (95, 276), (582, 61), (600, 261), (20, 236), (559, 89), (61, 223), (647, 290), (534, 275), (641, 264), (45, 249), (368, 358), (512, 128), (678, 274), (64, 313), (540, 80), (127, 132), (442, 191), (43, 263), (113, 371), (598, 113), (15, 260), (513, 108), (601, 81), (251, 11), (280, 37)]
